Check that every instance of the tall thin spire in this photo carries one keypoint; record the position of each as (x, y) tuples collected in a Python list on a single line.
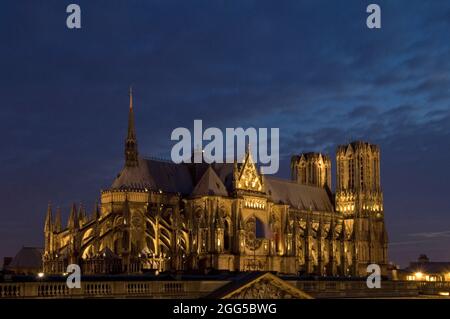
[(131, 152), (130, 93), (96, 213), (131, 132), (81, 214), (73, 220), (58, 224), (49, 219)]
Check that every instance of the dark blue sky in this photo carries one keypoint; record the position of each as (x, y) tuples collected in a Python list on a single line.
[(311, 68)]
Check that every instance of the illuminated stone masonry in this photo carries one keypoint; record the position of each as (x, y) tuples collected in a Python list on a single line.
[(159, 216)]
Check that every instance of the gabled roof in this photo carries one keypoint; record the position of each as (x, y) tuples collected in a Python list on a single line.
[(209, 184), (249, 178), (297, 195), (225, 172), (258, 285)]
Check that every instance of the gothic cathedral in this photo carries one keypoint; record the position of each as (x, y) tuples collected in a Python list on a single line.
[(161, 216)]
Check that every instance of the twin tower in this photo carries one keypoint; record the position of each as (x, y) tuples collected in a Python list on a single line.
[(358, 168), (358, 196)]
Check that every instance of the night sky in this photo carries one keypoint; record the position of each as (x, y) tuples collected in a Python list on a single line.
[(311, 68)]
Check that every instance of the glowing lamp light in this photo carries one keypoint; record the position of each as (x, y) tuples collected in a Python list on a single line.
[(444, 293), (40, 275), (418, 275)]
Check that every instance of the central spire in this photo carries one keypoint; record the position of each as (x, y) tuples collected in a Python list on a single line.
[(131, 152)]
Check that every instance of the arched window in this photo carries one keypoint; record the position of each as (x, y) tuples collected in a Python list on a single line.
[(226, 236), (260, 229)]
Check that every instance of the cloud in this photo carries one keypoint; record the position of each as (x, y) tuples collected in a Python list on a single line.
[(407, 243), (441, 234), (364, 111)]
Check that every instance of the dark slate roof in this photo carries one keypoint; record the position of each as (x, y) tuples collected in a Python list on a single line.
[(225, 173), (27, 257), (185, 179), (210, 184), (169, 177), (155, 175), (134, 177), (297, 195)]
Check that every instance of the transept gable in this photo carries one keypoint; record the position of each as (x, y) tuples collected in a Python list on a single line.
[(248, 177)]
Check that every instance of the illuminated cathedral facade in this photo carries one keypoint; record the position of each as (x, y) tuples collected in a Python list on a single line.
[(162, 216)]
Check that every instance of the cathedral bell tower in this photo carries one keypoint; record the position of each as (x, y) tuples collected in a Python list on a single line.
[(312, 169), (360, 200), (131, 152)]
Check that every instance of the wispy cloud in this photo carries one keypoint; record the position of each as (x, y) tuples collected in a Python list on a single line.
[(441, 234), (405, 243)]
